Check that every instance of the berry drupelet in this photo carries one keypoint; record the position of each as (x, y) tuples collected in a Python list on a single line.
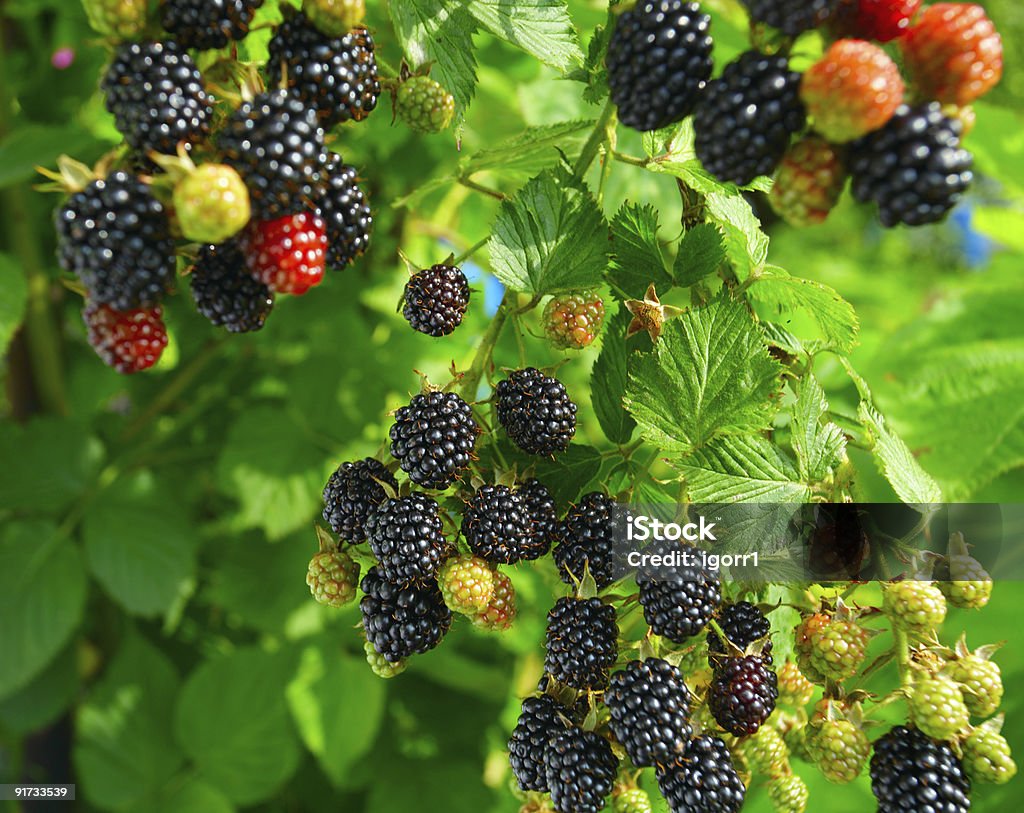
[(226, 293), (536, 412), (793, 17), (498, 527), (207, 24), (540, 719), (288, 254), (743, 694), (743, 624), (650, 707), (435, 300), (433, 438), (352, 493), (402, 621)]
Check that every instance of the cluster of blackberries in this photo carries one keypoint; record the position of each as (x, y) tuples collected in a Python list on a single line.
[(907, 160), (257, 204)]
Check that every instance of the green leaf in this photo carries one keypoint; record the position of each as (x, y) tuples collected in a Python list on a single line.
[(232, 721), (551, 237), (709, 375), (42, 700), (12, 303), (570, 472), (540, 27), (191, 796), (531, 150), (746, 245), (780, 293), (701, 253), (637, 260), (742, 469), (608, 380), (124, 746), (819, 445), (338, 727), (42, 596), (33, 145)]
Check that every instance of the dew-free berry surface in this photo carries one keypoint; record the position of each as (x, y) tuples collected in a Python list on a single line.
[(650, 708), (580, 769), (536, 412), (501, 609), (809, 182), (581, 642), (498, 528), (435, 300), (424, 105), (879, 20), (659, 60), (542, 514), (206, 24), (585, 540), (679, 601), (402, 621), (433, 438), (211, 204), (839, 749), (287, 254), (539, 720), (346, 213), (910, 772), (333, 577), (129, 341), (743, 623), (703, 781), (352, 492), (407, 537), (743, 694), (792, 17), (226, 293)]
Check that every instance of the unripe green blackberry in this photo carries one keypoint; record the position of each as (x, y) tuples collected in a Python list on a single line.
[(788, 794), (632, 800), (981, 683), (938, 707), (424, 105), (987, 757), (211, 204), (501, 609), (767, 752), (794, 689), (333, 577), (379, 665), (798, 741), (964, 582), (914, 606), (805, 633), (837, 649), (573, 321), (335, 17), (123, 19), (839, 749), (467, 584)]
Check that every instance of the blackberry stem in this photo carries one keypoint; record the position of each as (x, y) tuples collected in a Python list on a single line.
[(473, 376), (469, 183), (469, 252), (602, 127)]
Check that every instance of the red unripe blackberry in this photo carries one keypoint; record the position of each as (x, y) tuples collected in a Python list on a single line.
[(540, 719), (679, 601), (226, 293), (156, 94), (287, 254), (910, 772), (402, 621), (435, 300), (128, 341), (808, 183), (792, 17), (277, 145), (742, 695), (704, 780), (574, 321), (585, 540), (743, 623), (879, 20), (748, 116), (336, 77), (498, 527), (407, 537), (433, 438), (501, 609), (580, 769), (346, 214), (581, 642), (207, 24), (116, 236), (659, 60), (650, 708), (352, 493), (536, 412)]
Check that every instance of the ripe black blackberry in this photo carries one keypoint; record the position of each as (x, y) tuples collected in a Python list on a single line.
[(433, 438), (335, 76), (793, 17), (703, 781), (226, 293), (678, 601), (156, 94), (581, 642), (910, 772), (539, 721), (542, 514), (659, 60), (116, 236), (742, 694), (748, 116), (402, 621), (346, 214), (650, 708), (277, 146), (585, 540), (580, 771), (351, 493), (407, 537), (206, 24), (743, 624), (536, 412), (498, 528), (914, 167), (435, 300)]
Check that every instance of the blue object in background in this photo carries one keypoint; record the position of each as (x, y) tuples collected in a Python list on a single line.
[(977, 248)]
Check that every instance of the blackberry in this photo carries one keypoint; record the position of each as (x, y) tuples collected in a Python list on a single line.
[(346, 214), (743, 624), (433, 438), (540, 719), (435, 300), (585, 541), (156, 94), (914, 167), (207, 24), (748, 117), (659, 61), (541, 513), (910, 772), (402, 621), (116, 236), (536, 412), (580, 769), (650, 707), (742, 695), (581, 643), (226, 293), (129, 341), (678, 601), (407, 537), (277, 146), (498, 527), (337, 77), (352, 493), (792, 17), (703, 781)]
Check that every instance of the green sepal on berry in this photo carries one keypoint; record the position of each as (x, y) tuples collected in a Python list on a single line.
[(211, 204), (333, 575), (424, 105), (986, 755), (335, 18), (379, 665), (123, 19), (467, 584), (574, 321), (788, 794), (938, 708), (914, 606), (631, 800)]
